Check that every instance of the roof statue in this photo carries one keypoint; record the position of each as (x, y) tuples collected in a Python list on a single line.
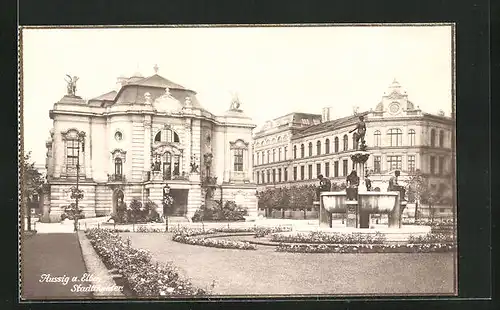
[(156, 68), (188, 101), (167, 93), (235, 103), (71, 87), (359, 135)]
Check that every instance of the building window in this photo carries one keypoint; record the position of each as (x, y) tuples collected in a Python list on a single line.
[(268, 176), (411, 163), (310, 149), (318, 169), (279, 154), (310, 171), (263, 177), (268, 156), (285, 172), (345, 167), (327, 170), (279, 175), (295, 173), (441, 165), (394, 162), (302, 151), (376, 164), (284, 153), (258, 177), (294, 152), (441, 138), (302, 172), (433, 164), (377, 138), (274, 175), (238, 160), (167, 166), (346, 143), (327, 146), (258, 157), (433, 137), (71, 153), (274, 155), (167, 135), (336, 169), (411, 137), (118, 167), (336, 144), (318, 148), (396, 136), (354, 144)]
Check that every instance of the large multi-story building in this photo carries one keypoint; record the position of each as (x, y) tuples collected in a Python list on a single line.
[(294, 149), (131, 141)]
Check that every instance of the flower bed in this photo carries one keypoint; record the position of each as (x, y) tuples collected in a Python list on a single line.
[(365, 248), (188, 236), (146, 229), (336, 238), (264, 231), (145, 278), (432, 238)]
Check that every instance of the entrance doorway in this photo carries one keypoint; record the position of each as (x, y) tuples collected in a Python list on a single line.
[(179, 207), (117, 199)]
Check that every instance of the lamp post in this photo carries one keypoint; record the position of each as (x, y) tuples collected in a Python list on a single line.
[(166, 194), (81, 141)]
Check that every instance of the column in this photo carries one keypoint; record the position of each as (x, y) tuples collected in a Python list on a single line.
[(147, 145), (87, 169), (187, 147)]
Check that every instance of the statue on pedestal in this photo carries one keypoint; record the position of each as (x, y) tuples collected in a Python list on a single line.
[(352, 186), (71, 87), (394, 186), (360, 134), (324, 186)]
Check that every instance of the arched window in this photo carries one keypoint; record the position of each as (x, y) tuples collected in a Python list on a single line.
[(346, 142), (327, 146), (354, 144), (284, 153), (411, 137), (258, 156), (441, 138), (274, 155), (294, 152), (279, 154), (268, 156), (318, 148), (336, 144), (310, 148), (376, 138), (257, 174), (433, 137), (118, 167), (302, 151), (396, 136), (166, 135)]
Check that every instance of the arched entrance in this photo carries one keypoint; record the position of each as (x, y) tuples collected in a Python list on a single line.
[(118, 197)]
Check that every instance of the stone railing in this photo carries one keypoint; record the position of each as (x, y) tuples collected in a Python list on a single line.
[(116, 178)]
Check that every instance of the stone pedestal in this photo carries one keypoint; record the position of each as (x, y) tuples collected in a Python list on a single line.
[(351, 213)]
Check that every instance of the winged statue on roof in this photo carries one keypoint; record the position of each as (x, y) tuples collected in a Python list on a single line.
[(71, 87)]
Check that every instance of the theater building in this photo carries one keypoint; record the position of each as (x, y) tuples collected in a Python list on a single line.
[(146, 133), (294, 149)]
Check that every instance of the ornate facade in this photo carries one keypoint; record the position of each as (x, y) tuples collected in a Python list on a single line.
[(296, 148), (130, 142)]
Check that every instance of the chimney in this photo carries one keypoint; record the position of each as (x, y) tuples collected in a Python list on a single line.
[(326, 114)]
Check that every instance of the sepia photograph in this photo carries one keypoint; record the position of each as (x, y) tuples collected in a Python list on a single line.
[(270, 161)]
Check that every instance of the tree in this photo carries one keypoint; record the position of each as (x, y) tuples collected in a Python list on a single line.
[(417, 189), (31, 184)]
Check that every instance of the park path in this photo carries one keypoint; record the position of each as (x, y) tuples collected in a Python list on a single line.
[(57, 254)]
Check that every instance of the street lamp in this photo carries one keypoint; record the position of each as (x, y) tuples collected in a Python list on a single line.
[(81, 141), (166, 203)]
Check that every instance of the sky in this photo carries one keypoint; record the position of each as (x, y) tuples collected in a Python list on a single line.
[(273, 70)]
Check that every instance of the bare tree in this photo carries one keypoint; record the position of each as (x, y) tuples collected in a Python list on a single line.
[(31, 184)]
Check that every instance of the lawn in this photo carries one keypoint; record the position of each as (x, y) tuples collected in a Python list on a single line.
[(266, 272)]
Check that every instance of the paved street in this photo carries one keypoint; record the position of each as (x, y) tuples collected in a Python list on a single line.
[(54, 254)]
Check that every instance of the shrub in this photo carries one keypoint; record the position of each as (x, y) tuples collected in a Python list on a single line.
[(188, 236), (336, 238), (71, 212), (215, 211), (365, 248), (432, 238)]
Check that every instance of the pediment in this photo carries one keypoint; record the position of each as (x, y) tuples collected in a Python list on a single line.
[(167, 103)]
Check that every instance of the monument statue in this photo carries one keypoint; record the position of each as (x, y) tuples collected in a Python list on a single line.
[(71, 87), (394, 186), (324, 186), (352, 185), (235, 104), (360, 134), (368, 182)]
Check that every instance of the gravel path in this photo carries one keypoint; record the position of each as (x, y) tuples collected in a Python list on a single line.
[(266, 272)]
